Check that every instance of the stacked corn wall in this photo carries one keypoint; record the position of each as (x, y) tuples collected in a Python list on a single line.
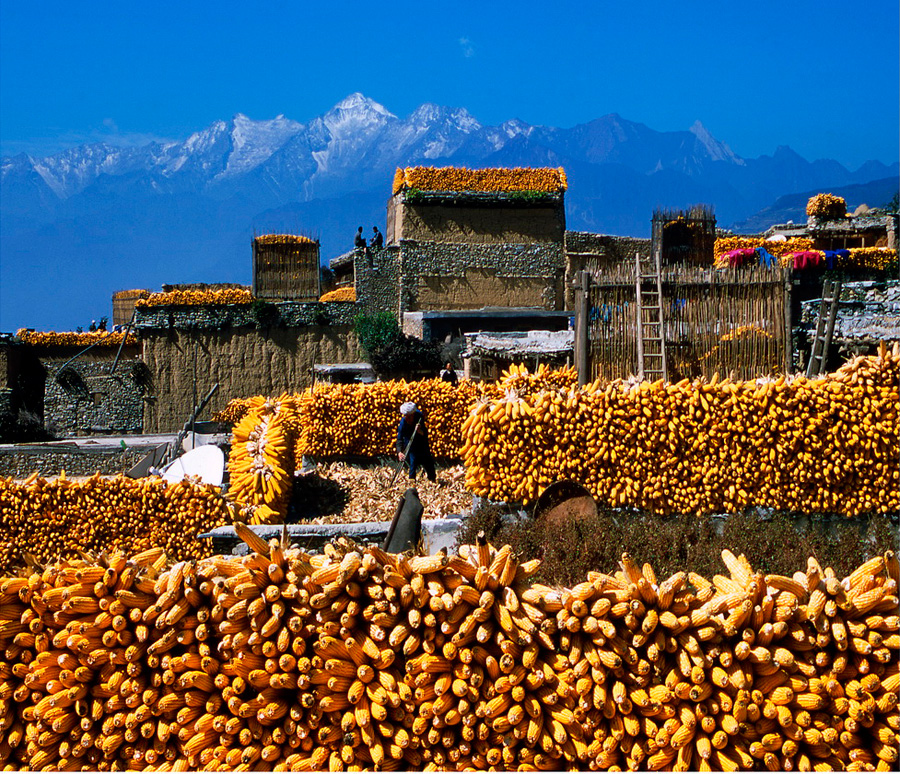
[(358, 659), (823, 445), (59, 517), (361, 420), (272, 435)]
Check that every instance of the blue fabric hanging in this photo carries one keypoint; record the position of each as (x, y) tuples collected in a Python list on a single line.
[(766, 258)]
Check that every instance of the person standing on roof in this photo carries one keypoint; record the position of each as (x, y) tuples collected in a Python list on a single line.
[(412, 428)]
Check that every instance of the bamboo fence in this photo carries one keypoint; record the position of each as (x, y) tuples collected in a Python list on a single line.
[(285, 268), (726, 321)]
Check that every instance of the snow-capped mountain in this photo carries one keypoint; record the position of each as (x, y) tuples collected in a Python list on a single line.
[(98, 218)]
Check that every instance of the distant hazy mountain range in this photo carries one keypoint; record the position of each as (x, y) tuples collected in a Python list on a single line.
[(76, 226)]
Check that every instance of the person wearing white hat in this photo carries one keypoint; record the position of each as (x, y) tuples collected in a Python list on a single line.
[(412, 441)]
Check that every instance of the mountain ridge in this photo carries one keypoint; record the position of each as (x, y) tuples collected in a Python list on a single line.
[(180, 210)]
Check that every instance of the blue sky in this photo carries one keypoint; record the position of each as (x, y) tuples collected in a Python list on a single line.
[(820, 76)]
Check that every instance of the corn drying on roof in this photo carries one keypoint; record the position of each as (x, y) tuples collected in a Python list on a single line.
[(492, 179), (282, 239)]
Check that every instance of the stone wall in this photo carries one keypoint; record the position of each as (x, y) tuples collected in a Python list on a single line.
[(378, 279), (22, 461), (475, 223), (261, 315), (244, 361), (470, 276), (94, 399)]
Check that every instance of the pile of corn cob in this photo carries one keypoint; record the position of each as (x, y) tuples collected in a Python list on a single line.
[(347, 293), (349, 419), (546, 179), (826, 205), (196, 297), (283, 239), (74, 338), (261, 464), (59, 517), (823, 445), (359, 659)]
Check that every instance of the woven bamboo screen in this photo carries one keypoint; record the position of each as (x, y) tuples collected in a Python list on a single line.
[(123, 302), (726, 321), (285, 268)]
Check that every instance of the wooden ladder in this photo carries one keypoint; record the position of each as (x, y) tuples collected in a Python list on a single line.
[(828, 306), (651, 330)]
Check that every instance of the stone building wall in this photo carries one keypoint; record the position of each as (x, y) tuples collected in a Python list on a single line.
[(262, 315), (594, 252), (470, 276), (22, 461), (378, 279), (97, 399)]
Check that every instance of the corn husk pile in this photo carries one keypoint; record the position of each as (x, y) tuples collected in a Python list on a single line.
[(348, 493), (827, 445), (359, 659), (59, 517)]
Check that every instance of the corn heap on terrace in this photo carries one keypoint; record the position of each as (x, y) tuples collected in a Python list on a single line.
[(58, 517), (359, 659), (74, 338), (500, 180), (196, 297), (261, 464), (826, 205), (282, 239), (822, 445), (339, 294)]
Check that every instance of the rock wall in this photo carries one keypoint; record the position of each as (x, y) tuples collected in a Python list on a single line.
[(378, 279), (22, 461), (92, 398), (244, 361), (470, 276), (594, 252), (260, 315)]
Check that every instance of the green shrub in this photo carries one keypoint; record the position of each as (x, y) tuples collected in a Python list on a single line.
[(393, 354), (773, 544), (376, 330)]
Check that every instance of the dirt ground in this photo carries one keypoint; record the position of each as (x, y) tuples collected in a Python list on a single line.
[(340, 492)]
